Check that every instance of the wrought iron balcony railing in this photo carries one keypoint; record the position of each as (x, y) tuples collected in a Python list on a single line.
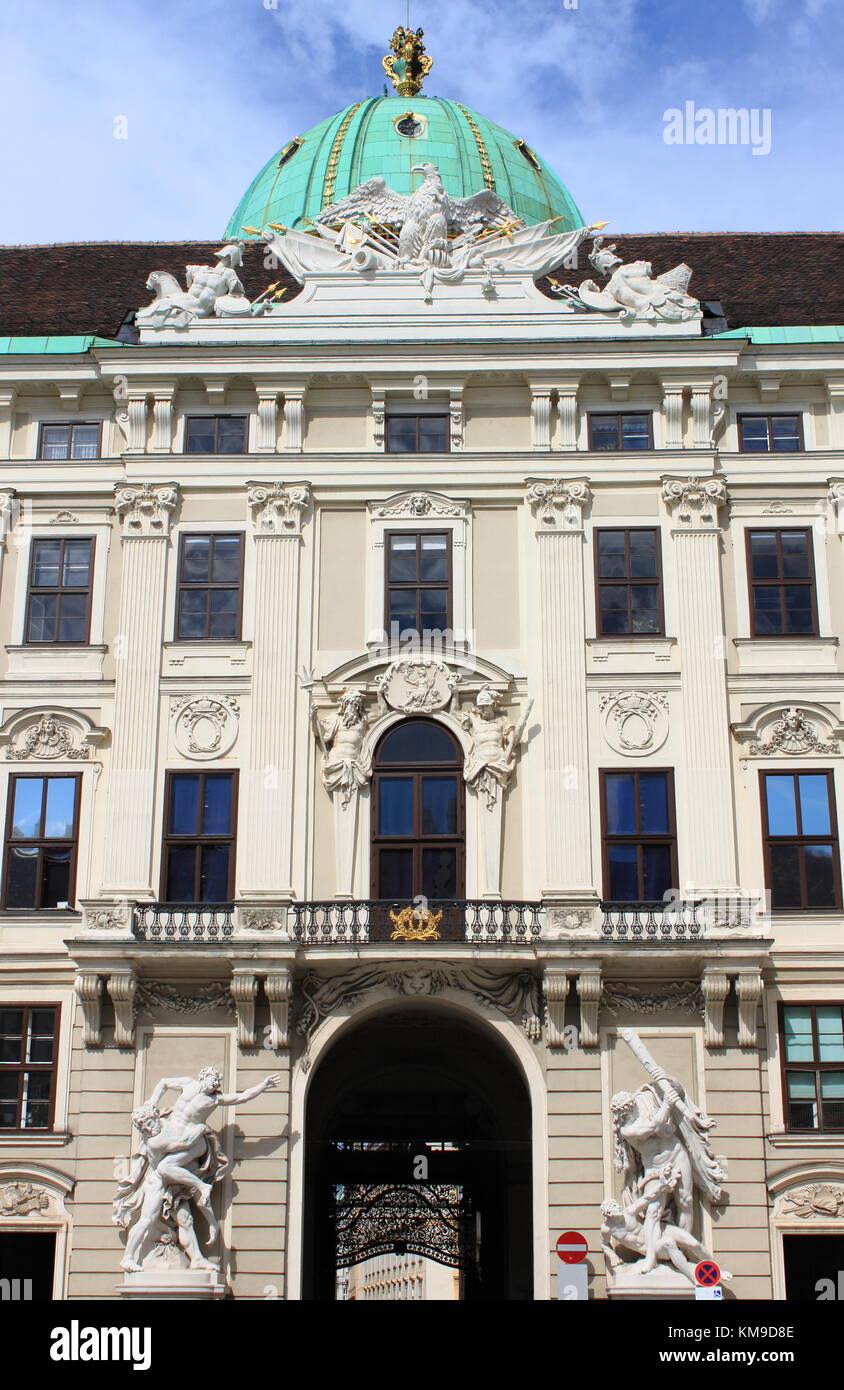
[(329, 922), (183, 921), (652, 921)]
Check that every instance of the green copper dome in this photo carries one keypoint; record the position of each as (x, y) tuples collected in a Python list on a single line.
[(386, 136)]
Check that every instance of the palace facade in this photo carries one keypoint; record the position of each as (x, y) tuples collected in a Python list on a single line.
[(413, 675)]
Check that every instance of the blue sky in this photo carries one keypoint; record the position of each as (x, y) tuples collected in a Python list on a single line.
[(209, 89)]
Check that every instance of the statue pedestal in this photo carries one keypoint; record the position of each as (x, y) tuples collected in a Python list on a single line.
[(174, 1283), (663, 1282)]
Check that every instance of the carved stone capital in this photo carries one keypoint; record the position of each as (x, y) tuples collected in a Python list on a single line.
[(589, 992), (244, 989), (89, 992), (694, 501), (559, 503), (278, 987), (121, 987), (715, 987), (748, 994), (146, 508), (555, 987), (277, 509)]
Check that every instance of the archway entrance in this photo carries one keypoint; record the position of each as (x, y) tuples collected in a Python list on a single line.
[(418, 1143)]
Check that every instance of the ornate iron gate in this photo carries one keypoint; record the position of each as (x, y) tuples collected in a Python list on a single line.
[(433, 1220)]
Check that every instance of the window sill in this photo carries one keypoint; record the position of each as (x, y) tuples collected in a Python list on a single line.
[(60, 661), (631, 651), (47, 1139), (811, 1138), (787, 653), (207, 657)]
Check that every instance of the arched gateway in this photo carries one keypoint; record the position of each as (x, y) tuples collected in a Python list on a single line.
[(418, 1140)]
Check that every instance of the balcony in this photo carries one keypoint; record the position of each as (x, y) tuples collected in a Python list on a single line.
[(339, 923)]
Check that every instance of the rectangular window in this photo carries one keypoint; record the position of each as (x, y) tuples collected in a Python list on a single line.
[(801, 840), (418, 597), (620, 431), (770, 434), (215, 434), (199, 841), (28, 1058), (637, 810), (41, 836), (210, 588), (628, 581), (69, 442), (782, 583), (58, 605), (417, 434), (812, 1044)]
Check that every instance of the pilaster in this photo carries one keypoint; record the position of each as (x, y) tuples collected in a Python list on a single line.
[(708, 838), (277, 513), (146, 511), (558, 506), (8, 396)]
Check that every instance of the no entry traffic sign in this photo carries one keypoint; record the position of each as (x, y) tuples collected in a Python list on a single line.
[(572, 1247), (707, 1274)]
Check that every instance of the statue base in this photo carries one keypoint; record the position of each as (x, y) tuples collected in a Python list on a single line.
[(663, 1282), (174, 1283)]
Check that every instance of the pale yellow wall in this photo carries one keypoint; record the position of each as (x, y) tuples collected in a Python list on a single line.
[(337, 419), (495, 578), (342, 578)]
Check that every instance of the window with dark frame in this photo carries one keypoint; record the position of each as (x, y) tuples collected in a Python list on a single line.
[(770, 434), (782, 583), (640, 846), (210, 588), (623, 432), (802, 868), (812, 1045), (417, 434), (215, 434), (418, 583), (629, 582), (41, 840), (71, 441), (29, 1035), (58, 603), (199, 839), (418, 814)]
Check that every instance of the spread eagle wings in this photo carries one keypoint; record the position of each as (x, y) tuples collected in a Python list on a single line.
[(377, 199), (374, 197), (485, 207)]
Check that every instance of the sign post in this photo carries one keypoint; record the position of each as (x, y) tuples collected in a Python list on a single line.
[(572, 1274), (708, 1281)]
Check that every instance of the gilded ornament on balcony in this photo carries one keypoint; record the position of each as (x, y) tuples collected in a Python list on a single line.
[(415, 924), (408, 65)]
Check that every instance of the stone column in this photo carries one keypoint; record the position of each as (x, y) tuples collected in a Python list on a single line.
[(558, 506), (294, 422), (136, 422), (162, 419), (146, 510), (265, 836), (8, 396), (567, 413), (702, 416), (672, 406), (540, 415), (707, 830), (835, 396), (267, 419)]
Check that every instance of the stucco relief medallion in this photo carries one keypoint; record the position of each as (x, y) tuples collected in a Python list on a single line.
[(22, 1198), (816, 1201), (417, 686), (205, 726), (635, 723)]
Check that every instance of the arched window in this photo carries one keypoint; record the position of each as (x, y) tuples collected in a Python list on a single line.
[(418, 814)]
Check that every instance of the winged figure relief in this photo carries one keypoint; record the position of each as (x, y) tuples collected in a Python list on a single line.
[(426, 218)]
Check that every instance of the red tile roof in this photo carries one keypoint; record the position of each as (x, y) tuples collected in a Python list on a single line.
[(762, 279)]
